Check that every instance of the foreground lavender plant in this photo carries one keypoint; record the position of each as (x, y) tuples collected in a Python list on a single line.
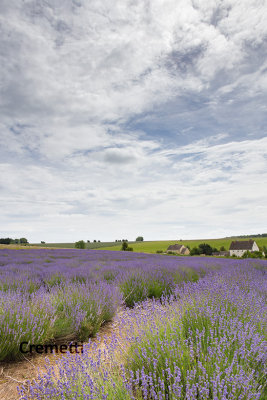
[(208, 343), (24, 318)]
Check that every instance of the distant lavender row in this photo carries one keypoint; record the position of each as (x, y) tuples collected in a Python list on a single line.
[(50, 294), (209, 343), (29, 270)]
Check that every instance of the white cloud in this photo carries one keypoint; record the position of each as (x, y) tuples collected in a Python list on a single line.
[(216, 185), (132, 113)]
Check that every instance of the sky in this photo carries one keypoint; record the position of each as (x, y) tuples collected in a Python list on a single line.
[(132, 117)]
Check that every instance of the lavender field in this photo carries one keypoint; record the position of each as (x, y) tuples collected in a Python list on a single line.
[(192, 327)]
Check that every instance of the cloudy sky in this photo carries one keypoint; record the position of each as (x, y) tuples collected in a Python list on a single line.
[(132, 117)]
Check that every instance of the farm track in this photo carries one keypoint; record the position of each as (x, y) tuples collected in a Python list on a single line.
[(16, 373)]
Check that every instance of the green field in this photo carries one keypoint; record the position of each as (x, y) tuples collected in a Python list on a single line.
[(91, 245), (152, 247)]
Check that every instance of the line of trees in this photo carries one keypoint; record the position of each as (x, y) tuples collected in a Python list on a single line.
[(13, 241), (203, 248), (256, 235)]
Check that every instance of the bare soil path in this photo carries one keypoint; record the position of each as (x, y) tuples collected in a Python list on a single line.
[(13, 374)]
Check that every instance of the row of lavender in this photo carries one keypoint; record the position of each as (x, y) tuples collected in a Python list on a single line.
[(55, 294), (208, 343)]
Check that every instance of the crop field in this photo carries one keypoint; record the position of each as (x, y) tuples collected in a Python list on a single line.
[(91, 245), (153, 246), (186, 327)]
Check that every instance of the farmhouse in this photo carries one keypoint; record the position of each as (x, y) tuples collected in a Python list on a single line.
[(238, 248), (178, 248)]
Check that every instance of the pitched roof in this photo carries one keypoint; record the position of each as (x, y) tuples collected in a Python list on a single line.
[(242, 245), (184, 249), (175, 247)]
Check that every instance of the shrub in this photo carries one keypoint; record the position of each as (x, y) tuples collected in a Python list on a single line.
[(254, 254), (81, 309), (140, 285), (24, 318), (194, 251), (80, 244), (159, 251), (211, 345), (134, 289), (124, 246)]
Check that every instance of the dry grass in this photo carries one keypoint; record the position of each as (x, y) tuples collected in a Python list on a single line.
[(27, 247)]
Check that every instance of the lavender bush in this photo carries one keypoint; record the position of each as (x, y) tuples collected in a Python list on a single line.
[(24, 318), (208, 341), (82, 308), (77, 291), (210, 345)]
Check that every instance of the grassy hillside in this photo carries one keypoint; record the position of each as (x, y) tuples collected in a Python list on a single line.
[(152, 247), (91, 245)]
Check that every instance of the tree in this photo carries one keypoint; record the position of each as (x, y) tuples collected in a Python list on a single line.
[(23, 241), (222, 248), (194, 251), (5, 240), (139, 239), (42, 242), (124, 246), (205, 249), (80, 244)]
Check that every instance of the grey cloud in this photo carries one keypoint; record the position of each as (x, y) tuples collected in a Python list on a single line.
[(184, 61), (116, 156)]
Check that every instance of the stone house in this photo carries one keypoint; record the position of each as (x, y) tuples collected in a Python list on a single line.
[(179, 249), (239, 247)]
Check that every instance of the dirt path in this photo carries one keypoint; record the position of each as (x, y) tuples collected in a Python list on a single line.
[(13, 374)]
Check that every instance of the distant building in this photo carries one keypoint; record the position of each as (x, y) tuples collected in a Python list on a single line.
[(179, 249), (221, 253), (238, 248)]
